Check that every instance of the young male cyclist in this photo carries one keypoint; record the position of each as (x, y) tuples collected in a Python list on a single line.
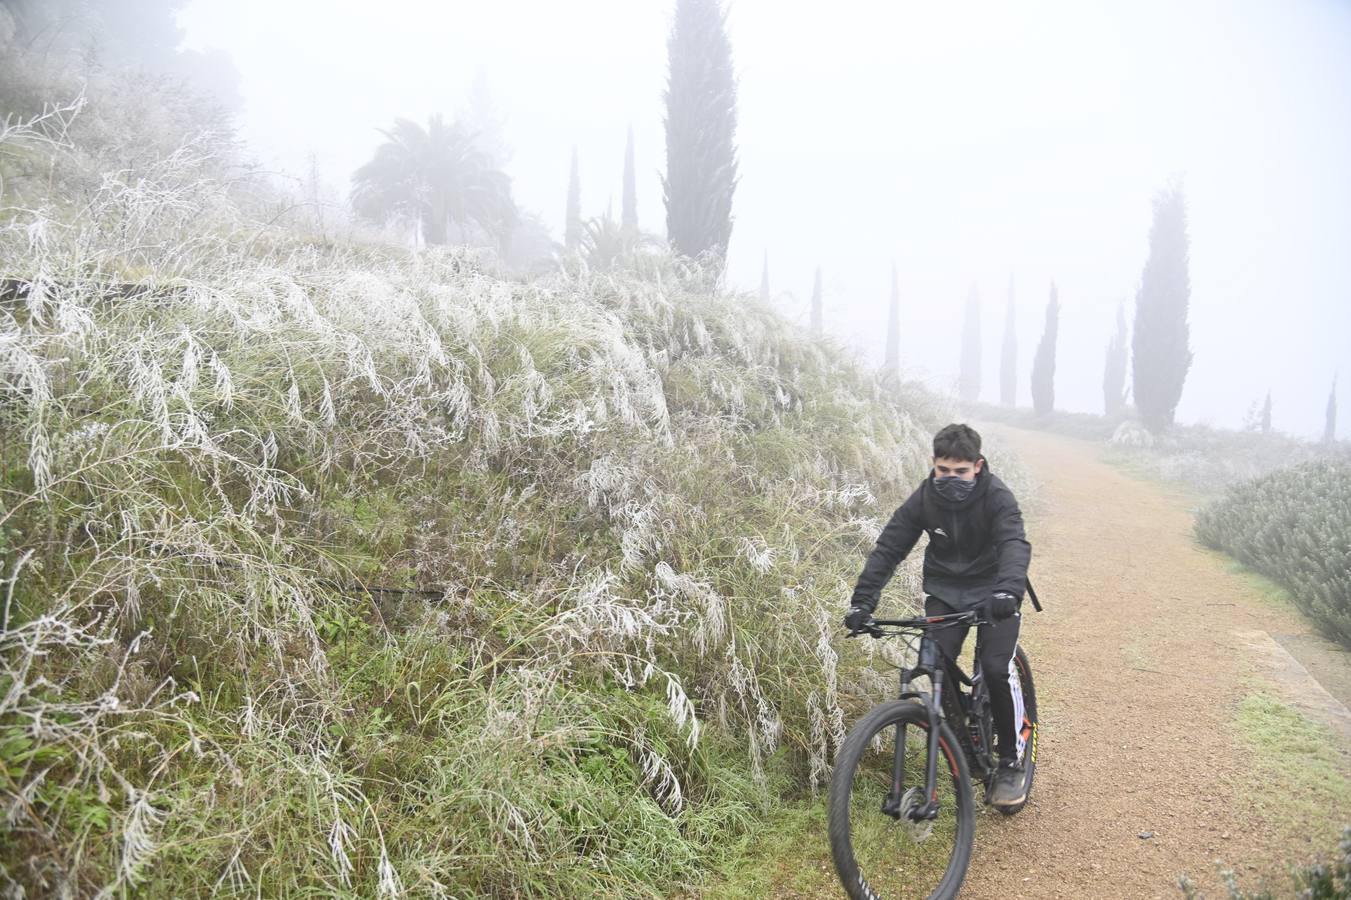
[(977, 557)]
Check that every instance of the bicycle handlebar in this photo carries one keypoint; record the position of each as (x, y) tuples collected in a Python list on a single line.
[(873, 627)]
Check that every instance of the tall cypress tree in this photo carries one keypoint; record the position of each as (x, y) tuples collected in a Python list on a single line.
[(1330, 423), (893, 356), (968, 382), (629, 215), (1008, 358), (818, 324), (1043, 364), (764, 279), (1266, 415), (572, 228), (1162, 355), (1114, 373), (701, 119)]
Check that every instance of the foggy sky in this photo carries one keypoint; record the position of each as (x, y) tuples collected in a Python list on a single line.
[(968, 143)]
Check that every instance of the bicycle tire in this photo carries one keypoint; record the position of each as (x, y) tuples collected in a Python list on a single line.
[(1029, 727), (840, 805)]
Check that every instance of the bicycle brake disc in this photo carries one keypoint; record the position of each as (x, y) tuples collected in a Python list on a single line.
[(912, 800)]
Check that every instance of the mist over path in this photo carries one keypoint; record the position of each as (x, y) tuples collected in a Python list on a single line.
[(1142, 660)]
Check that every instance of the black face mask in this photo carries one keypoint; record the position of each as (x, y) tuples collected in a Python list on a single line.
[(953, 488)]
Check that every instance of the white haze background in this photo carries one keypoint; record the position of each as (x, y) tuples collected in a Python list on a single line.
[(969, 143)]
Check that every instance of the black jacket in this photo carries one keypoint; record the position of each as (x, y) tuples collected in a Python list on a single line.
[(976, 547)]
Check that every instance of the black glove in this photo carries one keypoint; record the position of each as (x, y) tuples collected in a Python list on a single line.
[(1001, 605), (857, 617)]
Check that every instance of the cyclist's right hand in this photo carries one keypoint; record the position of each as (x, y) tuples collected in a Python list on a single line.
[(1001, 605), (857, 618)]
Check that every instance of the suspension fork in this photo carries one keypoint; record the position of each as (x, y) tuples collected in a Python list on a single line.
[(935, 721), (892, 805), (928, 663)]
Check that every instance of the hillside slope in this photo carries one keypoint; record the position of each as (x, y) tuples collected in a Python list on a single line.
[(341, 570)]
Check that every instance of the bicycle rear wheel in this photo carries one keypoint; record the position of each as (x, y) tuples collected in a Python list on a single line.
[(877, 856)]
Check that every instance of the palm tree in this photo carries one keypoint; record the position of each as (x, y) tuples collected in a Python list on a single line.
[(607, 244), (436, 176)]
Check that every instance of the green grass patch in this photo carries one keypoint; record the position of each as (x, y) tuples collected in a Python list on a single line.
[(1301, 772), (1268, 592), (788, 856), (1298, 779)]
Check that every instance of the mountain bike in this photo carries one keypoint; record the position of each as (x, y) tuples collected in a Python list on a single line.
[(901, 826)]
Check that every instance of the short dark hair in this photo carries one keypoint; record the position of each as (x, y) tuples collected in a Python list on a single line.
[(957, 442)]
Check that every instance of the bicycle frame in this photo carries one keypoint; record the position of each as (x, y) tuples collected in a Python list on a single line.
[(931, 664)]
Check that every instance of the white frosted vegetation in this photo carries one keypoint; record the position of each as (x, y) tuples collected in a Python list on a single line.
[(637, 506)]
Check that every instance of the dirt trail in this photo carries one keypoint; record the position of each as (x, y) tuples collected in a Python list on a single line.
[(1140, 664)]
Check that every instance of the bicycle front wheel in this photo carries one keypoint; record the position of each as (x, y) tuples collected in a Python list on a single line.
[(877, 855)]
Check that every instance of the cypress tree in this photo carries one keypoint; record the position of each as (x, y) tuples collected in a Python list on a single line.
[(1114, 374), (1008, 359), (701, 119), (764, 279), (629, 215), (1266, 415), (968, 382), (572, 230), (1330, 423), (1043, 364), (817, 323), (893, 355), (1161, 352)]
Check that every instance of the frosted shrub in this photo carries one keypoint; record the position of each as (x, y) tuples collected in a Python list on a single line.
[(1293, 525), (1131, 434)]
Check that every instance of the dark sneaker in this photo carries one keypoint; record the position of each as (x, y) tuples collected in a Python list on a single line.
[(1010, 785)]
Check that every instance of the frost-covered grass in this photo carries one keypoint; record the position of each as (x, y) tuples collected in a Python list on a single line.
[(1214, 459), (635, 506)]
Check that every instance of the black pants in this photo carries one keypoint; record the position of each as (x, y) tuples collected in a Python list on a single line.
[(995, 645)]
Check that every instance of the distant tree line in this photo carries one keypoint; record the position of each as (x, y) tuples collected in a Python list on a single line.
[(1145, 367), (1157, 353)]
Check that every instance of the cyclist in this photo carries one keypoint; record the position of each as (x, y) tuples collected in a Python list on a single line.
[(977, 557)]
